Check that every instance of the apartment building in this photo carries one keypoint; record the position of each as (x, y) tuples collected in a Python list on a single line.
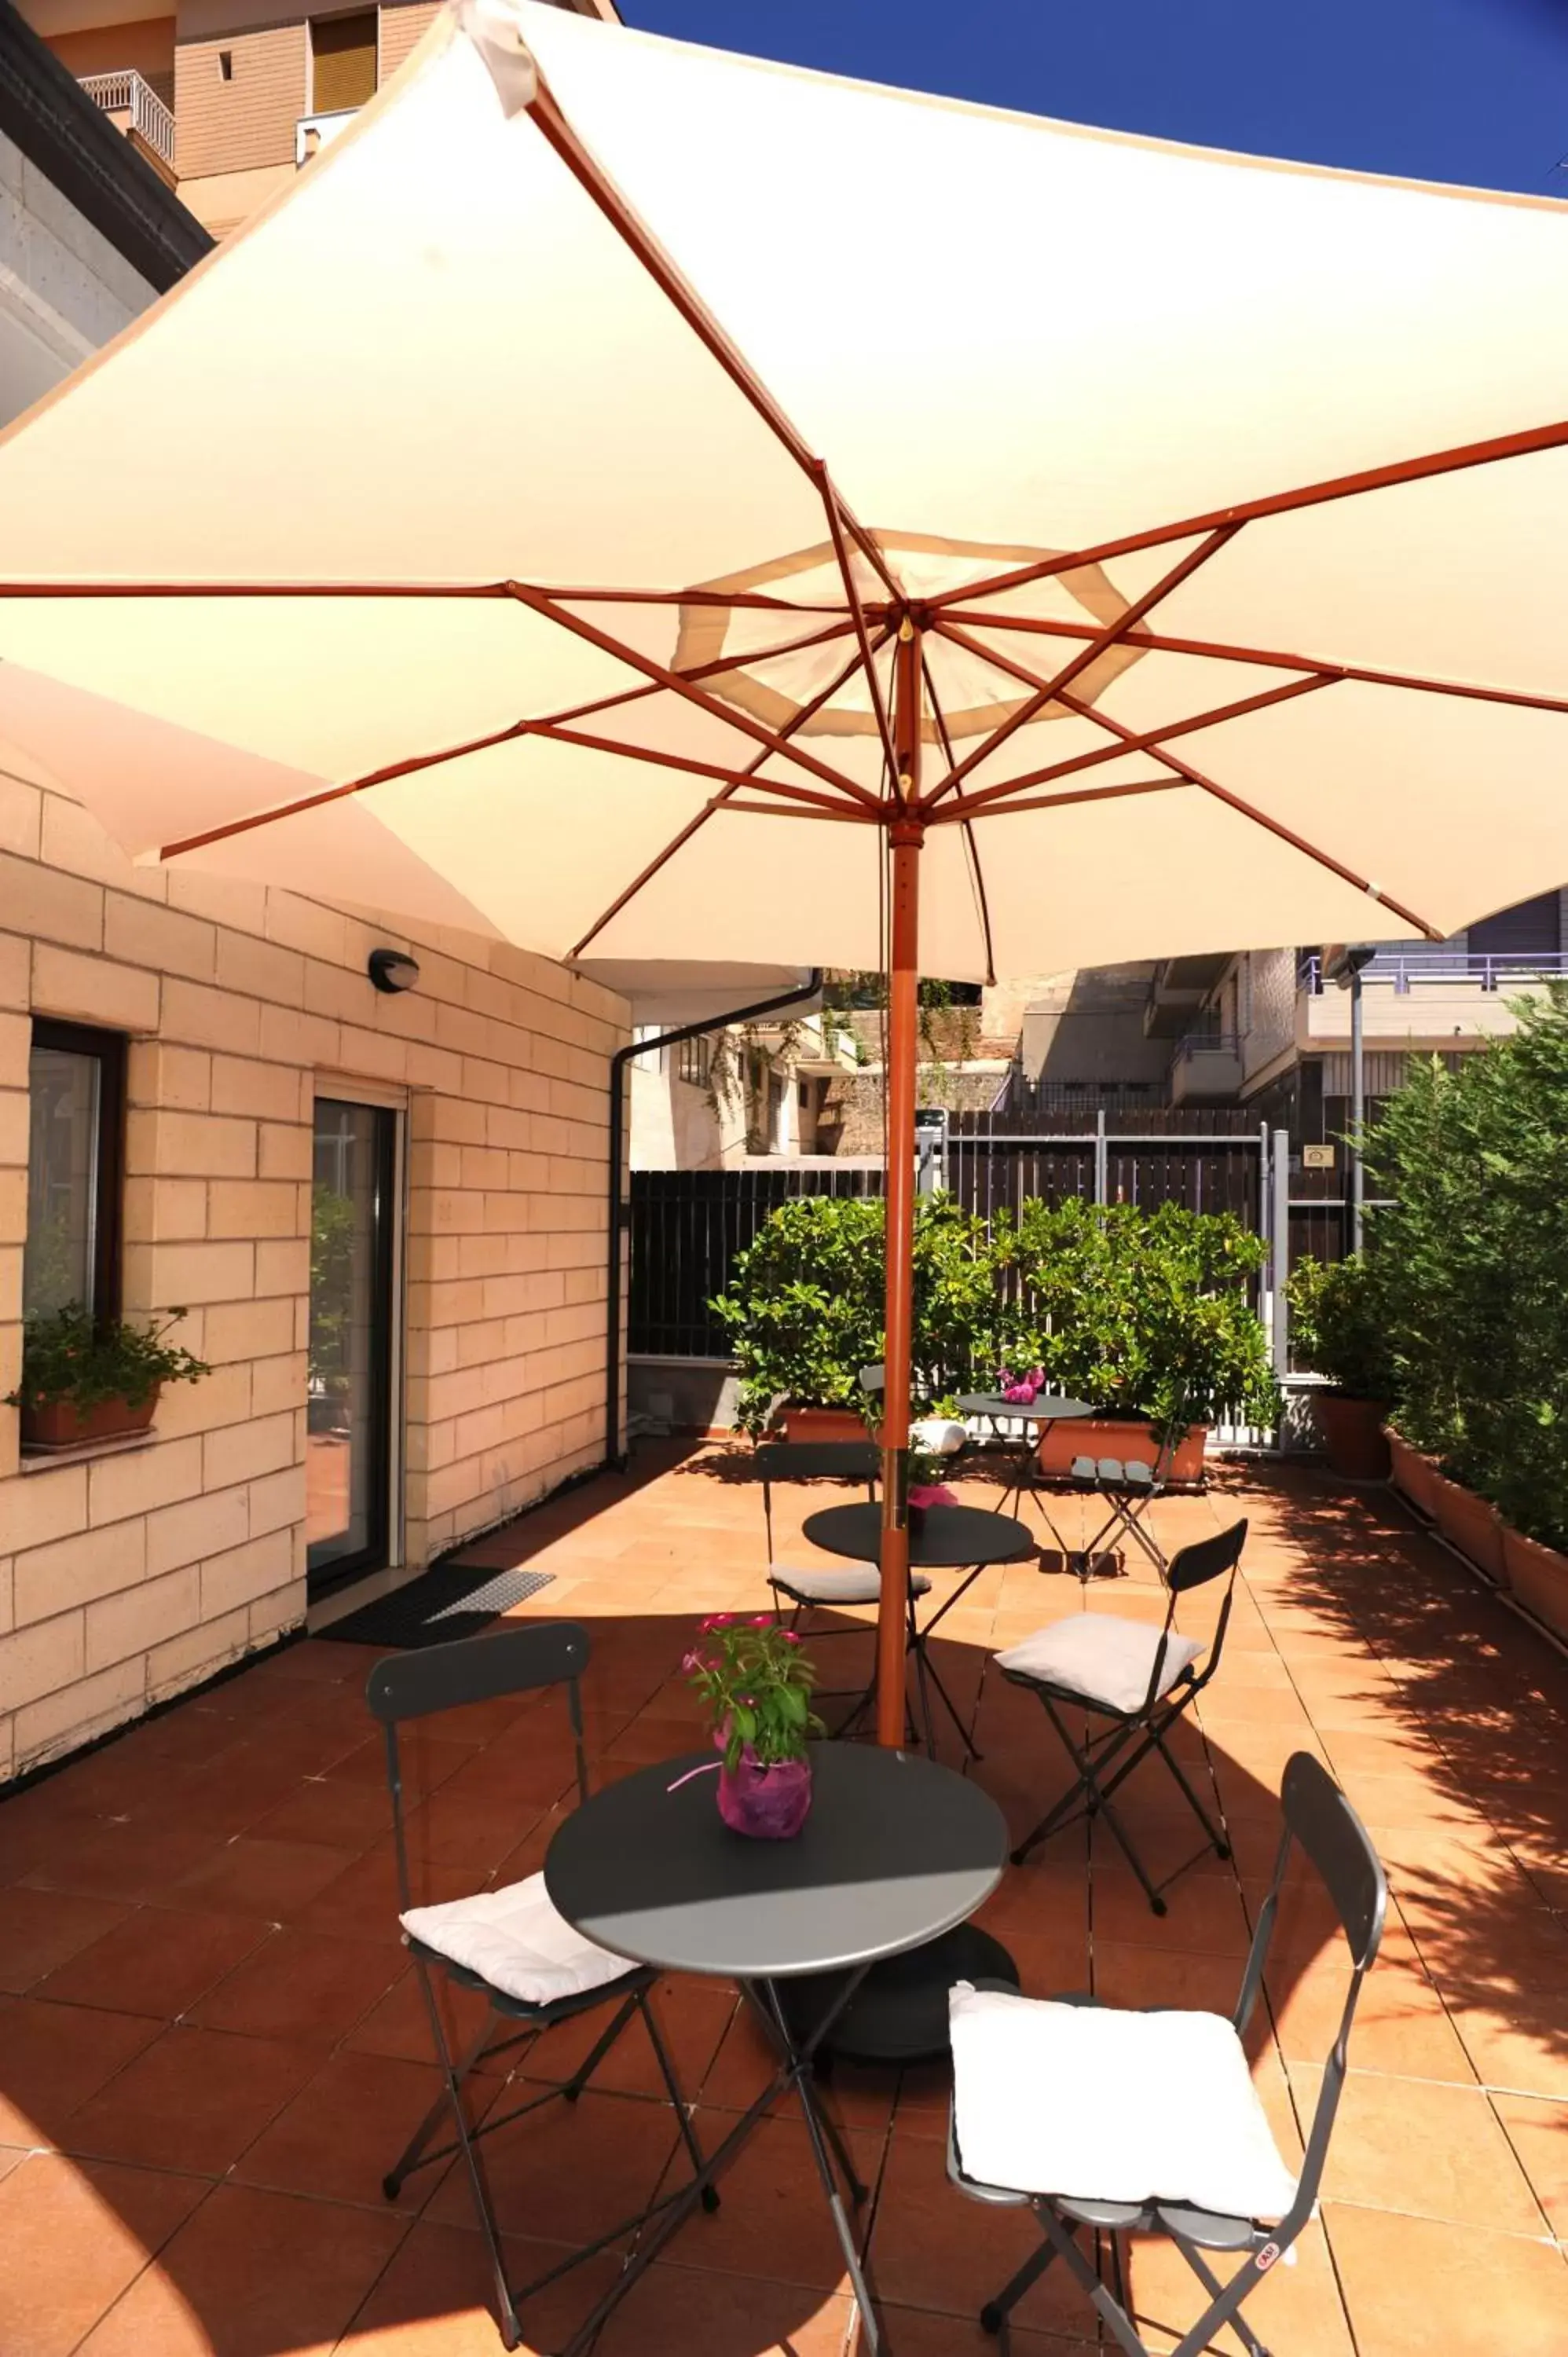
[(229, 97)]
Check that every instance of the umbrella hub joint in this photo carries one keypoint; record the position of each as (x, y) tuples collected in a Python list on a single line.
[(907, 832)]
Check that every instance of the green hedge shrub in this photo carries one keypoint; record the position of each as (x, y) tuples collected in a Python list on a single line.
[(1475, 1244)]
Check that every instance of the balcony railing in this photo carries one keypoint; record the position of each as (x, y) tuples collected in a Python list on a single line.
[(1404, 967), (127, 94), (1206, 1043)]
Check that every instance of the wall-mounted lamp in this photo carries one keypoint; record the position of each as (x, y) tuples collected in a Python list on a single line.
[(392, 970)]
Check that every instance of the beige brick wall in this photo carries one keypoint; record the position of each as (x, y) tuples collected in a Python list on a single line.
[(402, 27), (240, 124), (127, 1578)]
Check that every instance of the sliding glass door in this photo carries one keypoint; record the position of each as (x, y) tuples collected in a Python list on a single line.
[(352, 1332)]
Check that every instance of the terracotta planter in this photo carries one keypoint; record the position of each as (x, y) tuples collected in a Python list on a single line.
[(1415, 1475), (1538, 1577), (1123, 1436), (1469, 1524), (61, 1424), (1353, 1439), (809, 1423)]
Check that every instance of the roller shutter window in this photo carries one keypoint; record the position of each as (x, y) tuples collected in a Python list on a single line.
[(343, 61)]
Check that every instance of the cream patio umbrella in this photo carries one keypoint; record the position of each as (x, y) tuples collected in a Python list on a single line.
[(640, 501)]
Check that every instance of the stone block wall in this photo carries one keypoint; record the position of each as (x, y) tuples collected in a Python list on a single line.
[(127, 1577)]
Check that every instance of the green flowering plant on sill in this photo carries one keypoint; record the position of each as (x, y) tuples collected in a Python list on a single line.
[(68, 1357), (756, 1681)]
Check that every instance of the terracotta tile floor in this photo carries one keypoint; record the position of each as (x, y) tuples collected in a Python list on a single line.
[(209, 2047)]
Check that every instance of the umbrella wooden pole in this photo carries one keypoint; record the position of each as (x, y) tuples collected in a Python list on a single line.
[(903, 980)]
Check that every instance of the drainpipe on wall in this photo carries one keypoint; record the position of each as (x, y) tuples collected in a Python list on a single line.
[(615, 1455)]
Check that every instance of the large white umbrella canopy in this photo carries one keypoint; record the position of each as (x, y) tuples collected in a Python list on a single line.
[(647, 504), (610, 398)]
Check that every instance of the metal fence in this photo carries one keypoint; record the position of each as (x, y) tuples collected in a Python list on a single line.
[(687, 1226)]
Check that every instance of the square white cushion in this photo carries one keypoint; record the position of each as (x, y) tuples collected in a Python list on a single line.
[(1107, 1660), (1098, 2105), (517, 1941), (839, 1587)]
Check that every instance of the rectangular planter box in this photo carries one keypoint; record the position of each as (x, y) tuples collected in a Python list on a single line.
[(1123, 1436), (61, 1424), (1538, 1577), (1415, 1476), (810, 1424), (1469, 1524)]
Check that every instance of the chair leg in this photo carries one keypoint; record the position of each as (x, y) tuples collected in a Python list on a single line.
[(585, 2069), (507, 2317), (995, 2312), (678, 2102), (1222, 1846), (1109, 2307), (407, 2160), (1212, 2285)]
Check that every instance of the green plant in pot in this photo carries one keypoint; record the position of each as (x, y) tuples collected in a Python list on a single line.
[(1338, 1313), (756, 1681), (84, 1380), (1143, 1314), (804, 1306)]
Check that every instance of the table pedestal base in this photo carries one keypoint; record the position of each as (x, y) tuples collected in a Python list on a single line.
[(899, 2011)]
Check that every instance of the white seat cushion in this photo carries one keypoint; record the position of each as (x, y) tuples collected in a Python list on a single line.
[(839, 1587), (939, 1435), (518, 1942), (1095, 2104), (1104, 1659)]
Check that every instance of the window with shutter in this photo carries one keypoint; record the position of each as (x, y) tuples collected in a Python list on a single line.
[(1529, 929), (343, 61)]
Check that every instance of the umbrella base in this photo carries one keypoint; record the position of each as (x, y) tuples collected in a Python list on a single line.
[(899, 2014)]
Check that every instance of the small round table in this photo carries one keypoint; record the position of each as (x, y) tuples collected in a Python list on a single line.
[(945, 1538), (896, 1851), (1039, 1413)]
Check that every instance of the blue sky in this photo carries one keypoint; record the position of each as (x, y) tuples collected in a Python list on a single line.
[(1472, 90)]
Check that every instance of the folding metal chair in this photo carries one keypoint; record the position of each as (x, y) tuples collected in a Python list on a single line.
[(806, 1589), (1128, 1486), (1140, 1681), (1172, 2126), (442, 1677)]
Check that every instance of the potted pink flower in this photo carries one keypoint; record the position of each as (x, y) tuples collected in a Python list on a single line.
[(756, 1681), (926, 1489)]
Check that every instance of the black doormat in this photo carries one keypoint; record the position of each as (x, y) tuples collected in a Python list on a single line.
[(443, 1603)]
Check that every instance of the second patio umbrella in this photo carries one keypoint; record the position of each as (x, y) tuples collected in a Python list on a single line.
[(641, 503)]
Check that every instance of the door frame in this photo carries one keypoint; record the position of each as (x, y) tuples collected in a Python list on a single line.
[(345, 1088)]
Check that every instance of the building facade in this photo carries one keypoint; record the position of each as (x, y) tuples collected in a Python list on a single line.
[(379, 1217), (233, 97)]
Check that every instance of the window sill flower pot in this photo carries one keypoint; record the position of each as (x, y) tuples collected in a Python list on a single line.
[(1353, 1436), (1123, 1436), (1415, 1474), (1471, 1525), (61, 1424), (814, 1424), (1538, 1577), (766, 1804)]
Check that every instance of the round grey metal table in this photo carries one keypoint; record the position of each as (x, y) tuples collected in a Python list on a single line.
[(941, 1538), (896, 1850), (1039, 1413)]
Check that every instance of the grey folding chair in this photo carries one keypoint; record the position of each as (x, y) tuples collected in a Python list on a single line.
[(1128, 1487), (442, 1677), (809, 1591), (1186, 2116), (1139, 1681)]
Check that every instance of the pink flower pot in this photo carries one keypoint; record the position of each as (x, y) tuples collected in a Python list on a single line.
[(1471, 1525), (1538, 1577), (767, 1803)]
